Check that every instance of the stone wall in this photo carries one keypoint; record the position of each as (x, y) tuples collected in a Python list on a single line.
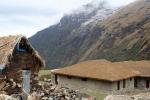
[(129, 85), (81, 83), (141, 82)]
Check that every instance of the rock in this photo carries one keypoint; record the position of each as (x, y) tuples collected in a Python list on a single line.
[(141, 98), (2, 85), (36, 78), (12, 80), (33, 96), (44, 98), (49, 80), (45, 79), (17, 97), (13, 85), (19, 85), (84, 98), (6, 97), (3, 92), (77, 99), (67, 98), (50, 98), (118, 97), (42, 94)]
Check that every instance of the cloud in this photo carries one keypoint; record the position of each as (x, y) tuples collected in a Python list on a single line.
[(117, 3), (29, 16)]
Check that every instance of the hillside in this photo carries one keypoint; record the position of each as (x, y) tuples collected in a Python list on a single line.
[(126, 35), (59, 42), (95, 32)]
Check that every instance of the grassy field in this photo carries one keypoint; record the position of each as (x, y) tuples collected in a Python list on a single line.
[(44, 72), (98, 95)]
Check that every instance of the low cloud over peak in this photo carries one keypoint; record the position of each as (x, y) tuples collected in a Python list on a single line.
[(29, 16)]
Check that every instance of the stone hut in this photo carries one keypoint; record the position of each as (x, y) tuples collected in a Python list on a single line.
[(16, 55), (104, 75)]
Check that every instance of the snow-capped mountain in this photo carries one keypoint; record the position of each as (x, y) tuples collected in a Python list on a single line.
[(54, 37), (96, 31)]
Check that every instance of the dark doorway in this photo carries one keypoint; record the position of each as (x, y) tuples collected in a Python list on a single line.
[(56, 79), (135, 83), (124, 83), (147, 83), (118, 85)]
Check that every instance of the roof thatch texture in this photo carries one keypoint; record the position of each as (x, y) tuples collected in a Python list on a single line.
[(143, 67), (7, 47), (99, 70)]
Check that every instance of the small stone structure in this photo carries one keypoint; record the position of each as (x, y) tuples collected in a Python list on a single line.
[(16, 55)]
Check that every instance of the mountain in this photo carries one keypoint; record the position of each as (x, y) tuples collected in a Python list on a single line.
[(59, 42), (97, 31), (126, 34)]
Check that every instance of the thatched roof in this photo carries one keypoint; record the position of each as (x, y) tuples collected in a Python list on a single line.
[(8, 44), (143, 67), (99, 70)]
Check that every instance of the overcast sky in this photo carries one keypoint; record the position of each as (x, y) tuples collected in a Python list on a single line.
[(29, 16)]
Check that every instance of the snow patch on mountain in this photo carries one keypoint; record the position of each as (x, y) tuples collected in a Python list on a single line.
[(100, 16)]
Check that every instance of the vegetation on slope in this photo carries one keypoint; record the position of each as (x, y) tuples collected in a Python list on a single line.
[(123, 36)]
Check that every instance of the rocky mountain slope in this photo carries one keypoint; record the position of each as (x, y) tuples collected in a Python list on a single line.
[(59, 42), (97, 32), (126, 34)]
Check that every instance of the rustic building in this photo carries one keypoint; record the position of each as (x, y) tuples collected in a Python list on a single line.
[(16, 55), (105, 75), (142, 80)]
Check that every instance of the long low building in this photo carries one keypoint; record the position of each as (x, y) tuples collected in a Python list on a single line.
[(105, 75)]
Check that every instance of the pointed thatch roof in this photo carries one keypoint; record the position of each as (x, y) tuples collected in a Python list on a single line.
[(8, 44)]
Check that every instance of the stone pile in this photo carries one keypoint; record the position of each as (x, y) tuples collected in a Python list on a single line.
[(14, 85), (10, 86), (6, 97), (48, 91), (44, 90)]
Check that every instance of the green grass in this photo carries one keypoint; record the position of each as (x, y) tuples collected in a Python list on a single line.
[(98, 95), (44, 72)]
